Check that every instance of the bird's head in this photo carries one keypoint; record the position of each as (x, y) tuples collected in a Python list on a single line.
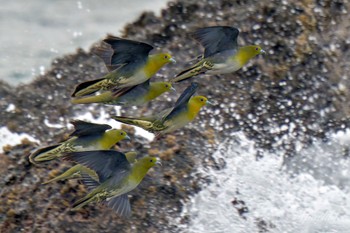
[(255, 50), (246, 53), (161, 87), (199, 100), (118, 134), (157, 61), (148, 162), (164, 58)]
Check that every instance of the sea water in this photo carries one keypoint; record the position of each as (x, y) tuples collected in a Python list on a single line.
[(35, 32)]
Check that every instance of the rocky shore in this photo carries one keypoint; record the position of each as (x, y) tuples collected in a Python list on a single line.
[(296, 92)]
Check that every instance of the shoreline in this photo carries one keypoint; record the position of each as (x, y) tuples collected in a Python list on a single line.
[(289, 97)]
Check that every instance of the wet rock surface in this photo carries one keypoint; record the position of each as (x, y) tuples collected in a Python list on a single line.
[(294, 93)]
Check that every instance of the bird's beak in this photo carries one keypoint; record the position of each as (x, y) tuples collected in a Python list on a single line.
[(158, 162), (262, 51), (172, 60), (209, 103), (173, 89), (127, 137)]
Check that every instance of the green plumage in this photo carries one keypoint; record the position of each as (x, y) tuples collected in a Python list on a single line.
[(129, 64), (184, 111), (116, 175), (87, 136), (221, 54), (129, 96), (78, 171)]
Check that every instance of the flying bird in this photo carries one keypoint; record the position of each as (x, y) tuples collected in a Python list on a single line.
[(78, 171), (116, 178), (129, 64), (184, 111), (128, 96), (86, 136), (221, 53)]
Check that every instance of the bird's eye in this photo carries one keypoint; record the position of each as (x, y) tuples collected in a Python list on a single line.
[(166, 57), (257, 49), (151, 160), (166, 85), (122, 134)]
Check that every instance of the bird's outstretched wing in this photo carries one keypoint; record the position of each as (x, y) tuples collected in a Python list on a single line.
[(182, 101), (106, 163), (121, 205), (127, 51), (216, 39), (105, 54), (83, 128)]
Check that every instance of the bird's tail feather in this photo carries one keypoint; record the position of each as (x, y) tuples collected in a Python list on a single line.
[(73, 172), (83, 201), (88, 87), (101, 98), (189, 73), (45, 154), (145, 124)]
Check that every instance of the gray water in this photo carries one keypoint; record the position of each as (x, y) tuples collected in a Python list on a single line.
[(34, 32)]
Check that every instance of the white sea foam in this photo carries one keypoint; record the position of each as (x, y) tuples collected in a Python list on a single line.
[(10, 108), (52, 125), (9, 138), (297, 203)]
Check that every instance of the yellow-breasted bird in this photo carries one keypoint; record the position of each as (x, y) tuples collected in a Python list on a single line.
[(117, 177), (128, 96), (221, 52), (79, 170), (185, 110), (130, 64), (86, 136)]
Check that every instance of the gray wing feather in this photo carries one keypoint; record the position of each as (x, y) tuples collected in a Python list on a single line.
[(106, 163), (105, 54), (89, 182), (182, 101), (83, 128), (121, 205), (143, 87), (216, 39), (132, 53)]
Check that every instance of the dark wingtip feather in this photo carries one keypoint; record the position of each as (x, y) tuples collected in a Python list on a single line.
[(216, 39), (111, 38), (83, 128)]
